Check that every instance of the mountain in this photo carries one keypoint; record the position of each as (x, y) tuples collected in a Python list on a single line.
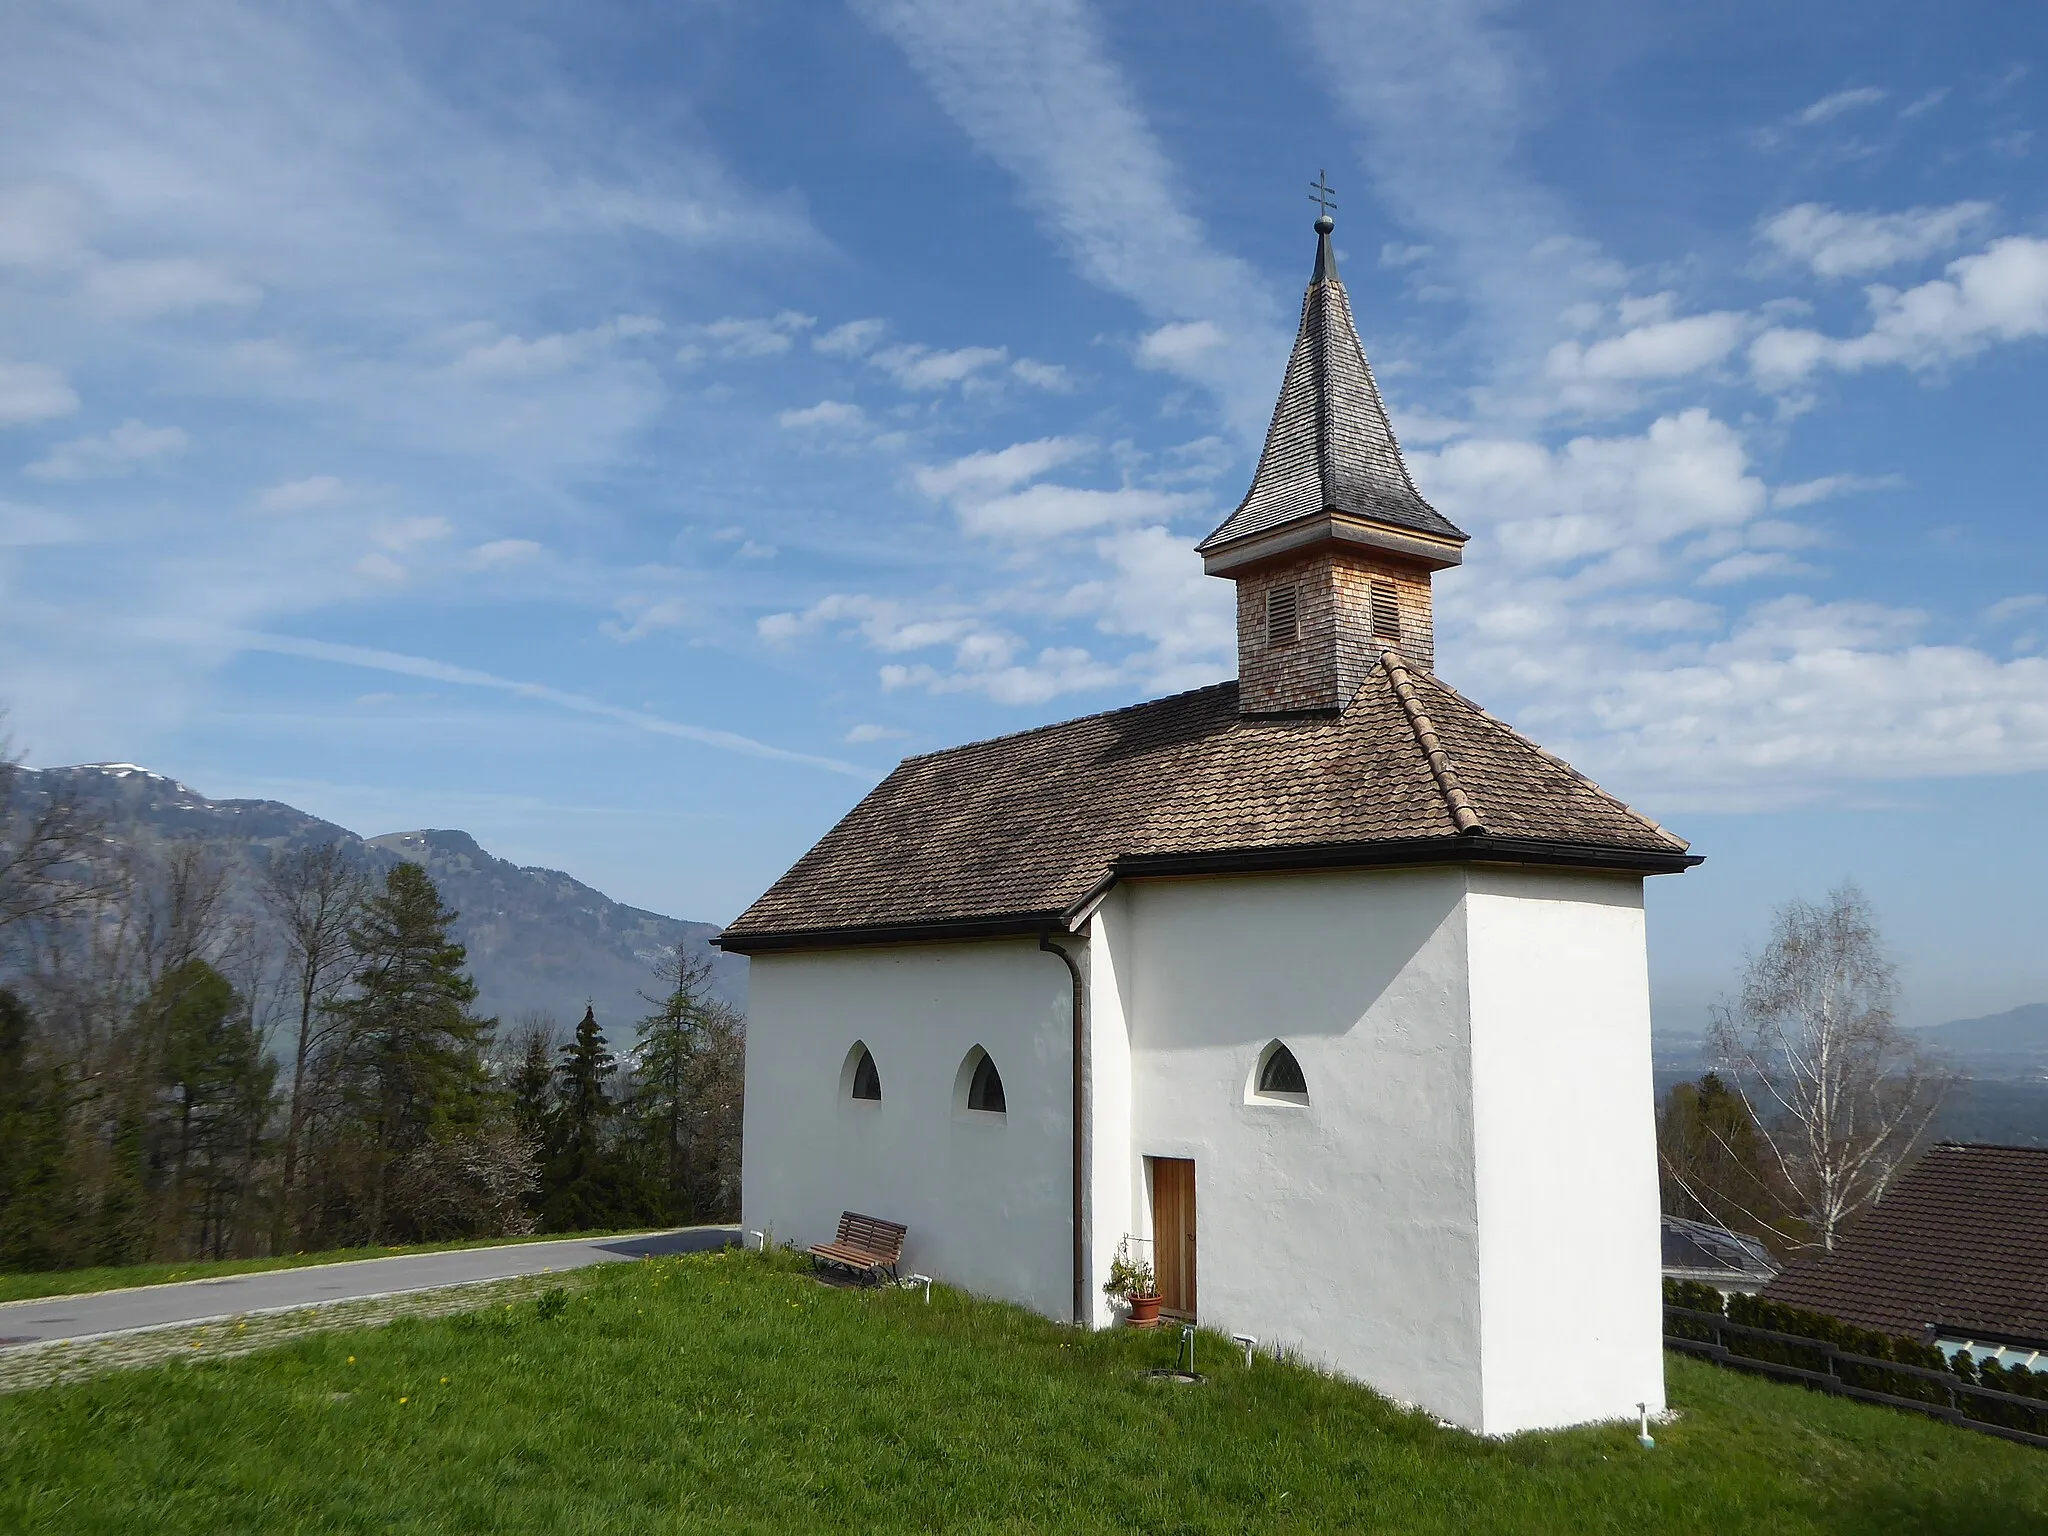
[(538, 939), (2013, 1043)]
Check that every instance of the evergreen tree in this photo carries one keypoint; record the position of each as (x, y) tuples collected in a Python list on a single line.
[(689, 1090), (38, 1227), (411, 1066), (584, 1182), (219, 1080)]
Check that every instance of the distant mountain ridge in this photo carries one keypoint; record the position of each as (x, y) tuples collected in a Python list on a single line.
[(2015, 1040), (538, 939)]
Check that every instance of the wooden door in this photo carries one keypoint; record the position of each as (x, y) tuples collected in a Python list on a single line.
[(1173, 1233)]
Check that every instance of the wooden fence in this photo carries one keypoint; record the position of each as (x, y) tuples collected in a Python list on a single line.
[(1828, 1368)]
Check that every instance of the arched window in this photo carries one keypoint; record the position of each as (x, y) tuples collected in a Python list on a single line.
[(985, 1088), (1280, 1076), (867, 1082), (858, 1079)]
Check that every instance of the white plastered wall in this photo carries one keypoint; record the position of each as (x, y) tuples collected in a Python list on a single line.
[(1570, 1303), (987, 1198), (1113, 1195), (1345, 1229)]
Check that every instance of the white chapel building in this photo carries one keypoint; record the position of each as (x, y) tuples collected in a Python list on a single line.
[(1324, 986)]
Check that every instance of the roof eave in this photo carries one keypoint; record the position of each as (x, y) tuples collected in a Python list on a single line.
[(1227, 556), (1296, 858)]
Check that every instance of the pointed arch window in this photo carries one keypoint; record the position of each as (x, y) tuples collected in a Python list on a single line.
[(985, 1088), (867, 1082), (1280, 1076)]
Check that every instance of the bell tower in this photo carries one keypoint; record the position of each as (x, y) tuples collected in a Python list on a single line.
[(1332, 548)]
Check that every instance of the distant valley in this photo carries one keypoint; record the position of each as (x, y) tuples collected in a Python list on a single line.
[(2001, 1066), (538, 939)]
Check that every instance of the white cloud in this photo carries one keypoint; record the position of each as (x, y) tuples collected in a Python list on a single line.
[(989, 472), (1180, 346), (1044, 510), (469, 677), (1826, 487), (1050, 377), (1838, 244), (378, 566), (1926, 103), (504, 552), (1612, 500), (515, 357), (1032, 84), (921, 368), (31, 392), (739, 337), (2007, 609), (851, 339), (826, 415), (410, 533), (861, 735), (1999, 294), (303, 495), (1831, 107), (1394, 254), (1666, 349), (41, 225), (640, 616), (23, 527), (1750, 565), (165, 285), (118, 452)]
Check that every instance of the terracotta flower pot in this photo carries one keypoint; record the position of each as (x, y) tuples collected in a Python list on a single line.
[(1144, 1311)]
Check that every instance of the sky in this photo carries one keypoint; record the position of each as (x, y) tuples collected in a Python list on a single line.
[(622, 431)]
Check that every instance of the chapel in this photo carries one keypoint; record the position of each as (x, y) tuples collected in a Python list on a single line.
[(1322, 990)]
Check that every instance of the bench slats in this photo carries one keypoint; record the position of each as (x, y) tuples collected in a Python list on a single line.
[(863, 1242)]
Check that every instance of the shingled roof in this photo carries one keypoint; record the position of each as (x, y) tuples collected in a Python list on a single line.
[(1020, 832), (1959, 1245), (1330, 446)]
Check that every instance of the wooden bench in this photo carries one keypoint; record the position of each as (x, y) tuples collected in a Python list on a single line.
[(866, 1245)]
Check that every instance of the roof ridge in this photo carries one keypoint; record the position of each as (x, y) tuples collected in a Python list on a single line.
[(1060, 725), (1441, 768), (1549, 756)]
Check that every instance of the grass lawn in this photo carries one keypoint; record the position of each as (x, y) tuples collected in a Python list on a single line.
[(76, 1282), (730, 1392)]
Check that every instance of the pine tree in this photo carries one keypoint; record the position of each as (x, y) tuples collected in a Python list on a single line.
[(411, 1052), (219, 1081), (581, 1186), (38, 1228), (689, 1092)]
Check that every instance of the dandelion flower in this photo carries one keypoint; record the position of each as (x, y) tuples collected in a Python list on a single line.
[(444, 1381), (351, 1359), (403, 1401)]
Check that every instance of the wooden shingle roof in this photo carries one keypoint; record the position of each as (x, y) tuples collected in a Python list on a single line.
[(1958, 1245), (1023, 830), (1330, 446)]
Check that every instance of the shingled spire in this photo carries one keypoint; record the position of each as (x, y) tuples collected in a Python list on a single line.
[(1332, 547)]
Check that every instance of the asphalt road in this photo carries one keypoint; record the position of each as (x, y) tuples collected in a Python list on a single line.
[(195, 1301)]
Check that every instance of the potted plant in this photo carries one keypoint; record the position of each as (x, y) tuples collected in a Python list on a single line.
[(1131, 1282)]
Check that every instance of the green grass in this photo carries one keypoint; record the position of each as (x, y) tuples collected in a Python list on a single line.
[(730, 1392), (77, 1282)]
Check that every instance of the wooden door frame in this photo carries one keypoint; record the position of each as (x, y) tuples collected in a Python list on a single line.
[(1191, 1233)]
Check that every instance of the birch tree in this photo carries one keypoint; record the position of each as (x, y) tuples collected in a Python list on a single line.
[(1841, 1096)]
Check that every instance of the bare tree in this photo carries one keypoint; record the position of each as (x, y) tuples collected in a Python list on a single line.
[(315, 894), (46, 846), (1840, 1095)]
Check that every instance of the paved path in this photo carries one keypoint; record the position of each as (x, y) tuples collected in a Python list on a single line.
[(191, 1301)]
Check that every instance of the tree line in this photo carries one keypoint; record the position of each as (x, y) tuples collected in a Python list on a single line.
[(182, 1078), (1816, 1098)]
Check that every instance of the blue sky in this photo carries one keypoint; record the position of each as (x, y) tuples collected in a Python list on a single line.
[(623, 430)]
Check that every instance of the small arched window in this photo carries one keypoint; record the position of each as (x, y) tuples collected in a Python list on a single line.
[(1280, 1076), (985, 1088), (867, 1082)]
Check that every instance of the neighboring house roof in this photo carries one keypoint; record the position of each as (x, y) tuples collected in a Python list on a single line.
[(1022, 831), (1330, 446), (1697, 1250), (1959, 1245)]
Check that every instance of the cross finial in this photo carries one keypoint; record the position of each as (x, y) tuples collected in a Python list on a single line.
[(1321, 194)]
